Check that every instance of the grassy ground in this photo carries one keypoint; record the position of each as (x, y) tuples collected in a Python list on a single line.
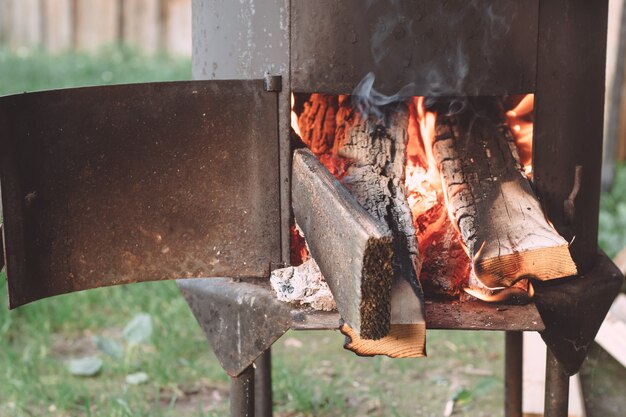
[(613, 215), (39, 71), (313, 375)]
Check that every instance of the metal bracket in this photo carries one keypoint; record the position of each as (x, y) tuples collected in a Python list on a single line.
[(272, 83), (241, 320), (573, 310)]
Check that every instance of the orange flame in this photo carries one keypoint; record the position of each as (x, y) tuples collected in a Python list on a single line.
[(522, 292), (294, 117), (521, 121)]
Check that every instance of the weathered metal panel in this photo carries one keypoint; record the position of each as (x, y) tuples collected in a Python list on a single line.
[(454, 47), (574, 309), (112, 185), (445, 315), (569, 119), (238, 40), (241, 319)]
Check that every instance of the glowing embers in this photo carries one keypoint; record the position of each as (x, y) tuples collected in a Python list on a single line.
[(446, 266)]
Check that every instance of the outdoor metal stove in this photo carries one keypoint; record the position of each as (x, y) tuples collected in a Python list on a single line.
[(112, 185)]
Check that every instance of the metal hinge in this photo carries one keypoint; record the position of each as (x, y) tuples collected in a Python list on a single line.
[(272, 83)]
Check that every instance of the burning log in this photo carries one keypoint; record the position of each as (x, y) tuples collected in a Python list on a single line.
[(378, 153), (317, 122), (353, 250), (491, 202)]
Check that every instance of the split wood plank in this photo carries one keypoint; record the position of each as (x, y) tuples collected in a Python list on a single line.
[(353, 249), (377, 151), (492, 203), (403, 341)]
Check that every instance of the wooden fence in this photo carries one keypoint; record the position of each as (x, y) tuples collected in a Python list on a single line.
[(59, 25)]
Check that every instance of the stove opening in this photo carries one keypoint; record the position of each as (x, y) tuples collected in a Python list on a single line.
[(465, 163)]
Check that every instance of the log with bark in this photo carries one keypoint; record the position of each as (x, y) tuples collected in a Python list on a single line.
[(492, 203), (377, 152), (353, 249)]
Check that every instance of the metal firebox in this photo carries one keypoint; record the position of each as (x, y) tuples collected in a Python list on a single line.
[(112, 185)]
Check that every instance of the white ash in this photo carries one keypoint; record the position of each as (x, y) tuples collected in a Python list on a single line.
[(304, 285)]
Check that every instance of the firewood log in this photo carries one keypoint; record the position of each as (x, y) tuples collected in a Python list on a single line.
[(353, 249), (489, 199), (377, 151)]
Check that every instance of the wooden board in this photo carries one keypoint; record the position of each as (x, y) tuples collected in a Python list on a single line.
[(353, 249), (403, 341), (376, 148)]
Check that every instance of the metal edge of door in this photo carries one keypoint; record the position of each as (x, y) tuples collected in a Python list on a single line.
[(141, 182)]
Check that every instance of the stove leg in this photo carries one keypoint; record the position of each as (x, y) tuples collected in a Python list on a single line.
[(263, 385), (513, 362), (557, 388), (242, 394)]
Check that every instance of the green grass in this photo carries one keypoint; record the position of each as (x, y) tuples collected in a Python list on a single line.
[(112, 65), (318, 378), (37, 340), (613, 215)]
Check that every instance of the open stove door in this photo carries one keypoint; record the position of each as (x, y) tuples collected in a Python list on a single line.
[(120, 184)]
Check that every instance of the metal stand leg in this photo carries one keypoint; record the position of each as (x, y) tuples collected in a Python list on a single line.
[(513, 362), (263, 385), (557, 388), (242, 394)]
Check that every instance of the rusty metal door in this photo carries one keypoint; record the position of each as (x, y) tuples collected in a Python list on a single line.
[(112, 185)]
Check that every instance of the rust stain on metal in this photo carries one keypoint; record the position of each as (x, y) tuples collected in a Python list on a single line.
[(112, 185)]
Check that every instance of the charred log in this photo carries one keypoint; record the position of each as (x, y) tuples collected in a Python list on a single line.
[(377, 152), (317, 122), (353, 249), (491, 202)]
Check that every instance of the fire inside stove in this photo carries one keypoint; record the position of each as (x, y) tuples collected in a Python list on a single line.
[(463, 167)]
